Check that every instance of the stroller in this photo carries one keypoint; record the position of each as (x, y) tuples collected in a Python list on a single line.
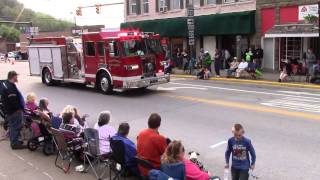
[(45, 139)]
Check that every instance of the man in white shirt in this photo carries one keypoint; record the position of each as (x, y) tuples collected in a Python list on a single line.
[(241, 68)]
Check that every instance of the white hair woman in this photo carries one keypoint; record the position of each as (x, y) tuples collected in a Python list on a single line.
[(105, 130)]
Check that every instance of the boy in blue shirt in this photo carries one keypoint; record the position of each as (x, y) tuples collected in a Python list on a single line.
[(241, 149)]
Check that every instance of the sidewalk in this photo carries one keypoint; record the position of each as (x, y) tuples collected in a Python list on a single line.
[(268, 78)]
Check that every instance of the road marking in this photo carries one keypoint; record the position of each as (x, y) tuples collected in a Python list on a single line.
[(176, 88), (251, 107), (3, 175), (243, 91), (300, 93), (30, 164), (46, 174), (297, 104), (218, 144), (19, 157)]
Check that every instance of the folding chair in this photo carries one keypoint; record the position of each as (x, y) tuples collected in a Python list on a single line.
[(145, 164), (117, 159), (64, 151), (92, 153)]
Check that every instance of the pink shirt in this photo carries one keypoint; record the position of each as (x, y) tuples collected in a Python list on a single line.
[(193, 172), (105, 133)]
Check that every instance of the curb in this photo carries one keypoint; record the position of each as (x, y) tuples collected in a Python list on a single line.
[(256, 82)]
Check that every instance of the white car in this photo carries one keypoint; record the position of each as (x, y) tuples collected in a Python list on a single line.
[(2, 57)]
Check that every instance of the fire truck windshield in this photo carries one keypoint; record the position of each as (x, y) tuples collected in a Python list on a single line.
[(153, 45), (134, 48), (140, 48)]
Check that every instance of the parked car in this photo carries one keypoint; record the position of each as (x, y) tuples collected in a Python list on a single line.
[(2, 56)]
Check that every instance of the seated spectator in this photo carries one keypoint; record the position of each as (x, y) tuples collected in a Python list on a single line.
[(32, 106), (172, 160), (285, 71), (130, 148), (233, 67), (31, 102), (106, 131), (70, 108), (69, 130), (45, 113), (150, 144), (203, 74), (81, 120), (241, 69)]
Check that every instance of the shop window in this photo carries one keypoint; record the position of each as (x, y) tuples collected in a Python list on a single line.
[(291, 48), (100, 46), (90, 49), (113, 49), (145, 6)]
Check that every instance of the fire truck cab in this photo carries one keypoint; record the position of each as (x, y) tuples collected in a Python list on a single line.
[(109, 60)]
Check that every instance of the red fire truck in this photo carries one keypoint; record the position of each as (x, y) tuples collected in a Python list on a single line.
[(108, 60)]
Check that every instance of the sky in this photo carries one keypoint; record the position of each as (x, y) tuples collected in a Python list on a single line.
[(110, 16)]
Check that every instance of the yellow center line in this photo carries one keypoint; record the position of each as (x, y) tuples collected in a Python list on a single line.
[(251, 107)]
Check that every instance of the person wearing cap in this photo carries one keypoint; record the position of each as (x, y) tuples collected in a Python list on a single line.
[(14, 105), (233, 66)]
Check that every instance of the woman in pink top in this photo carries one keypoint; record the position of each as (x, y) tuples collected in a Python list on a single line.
[(105, 132), (175, 153), (193, 172)]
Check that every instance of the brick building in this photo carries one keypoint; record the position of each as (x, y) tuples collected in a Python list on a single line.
[(283, 30), (223, 24)]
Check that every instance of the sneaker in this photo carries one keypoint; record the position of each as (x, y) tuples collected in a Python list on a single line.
[(18, 146)]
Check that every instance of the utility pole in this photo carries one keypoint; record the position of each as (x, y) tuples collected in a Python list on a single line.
[(191, 34)]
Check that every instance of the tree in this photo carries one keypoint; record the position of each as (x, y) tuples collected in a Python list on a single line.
[(9, 33)]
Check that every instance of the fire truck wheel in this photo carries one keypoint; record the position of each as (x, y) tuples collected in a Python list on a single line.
[(104, 84), (47, 77)]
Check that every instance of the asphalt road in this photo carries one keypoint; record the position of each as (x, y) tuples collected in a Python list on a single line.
[(283, 123)]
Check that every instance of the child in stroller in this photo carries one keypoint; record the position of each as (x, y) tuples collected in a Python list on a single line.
[(41, 128)]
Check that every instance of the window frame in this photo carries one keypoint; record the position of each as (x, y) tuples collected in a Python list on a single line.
[(165, 6), (114, 44), (86, 49), (211, 4), (103, 48), (131, 4), (145, 3), (172, 5)]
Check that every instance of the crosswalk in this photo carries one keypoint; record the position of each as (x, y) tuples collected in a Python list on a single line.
[(296, 103)]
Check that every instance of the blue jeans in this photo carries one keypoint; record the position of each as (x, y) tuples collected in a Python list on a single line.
[(15, 125)]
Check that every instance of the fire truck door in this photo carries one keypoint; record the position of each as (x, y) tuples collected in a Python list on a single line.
[(113, 58), (74, 62)]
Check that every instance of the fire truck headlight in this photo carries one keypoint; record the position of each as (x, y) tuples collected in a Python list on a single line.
[(131, 67), (163, 63)]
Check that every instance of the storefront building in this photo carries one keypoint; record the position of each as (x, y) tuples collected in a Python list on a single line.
[(286, 29), (223, 24)]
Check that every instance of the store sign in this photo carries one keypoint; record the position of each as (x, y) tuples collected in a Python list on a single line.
[(308, 10)]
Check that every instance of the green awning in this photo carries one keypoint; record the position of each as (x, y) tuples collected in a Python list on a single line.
[(173, 27), (238, 23)]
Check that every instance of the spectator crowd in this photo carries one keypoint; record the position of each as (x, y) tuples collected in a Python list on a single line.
[(166, 158)]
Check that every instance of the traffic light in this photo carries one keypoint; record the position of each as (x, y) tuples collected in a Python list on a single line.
[(98, 8), (79, 11)]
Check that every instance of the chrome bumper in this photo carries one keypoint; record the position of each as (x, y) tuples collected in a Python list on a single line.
[(140, 83)]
